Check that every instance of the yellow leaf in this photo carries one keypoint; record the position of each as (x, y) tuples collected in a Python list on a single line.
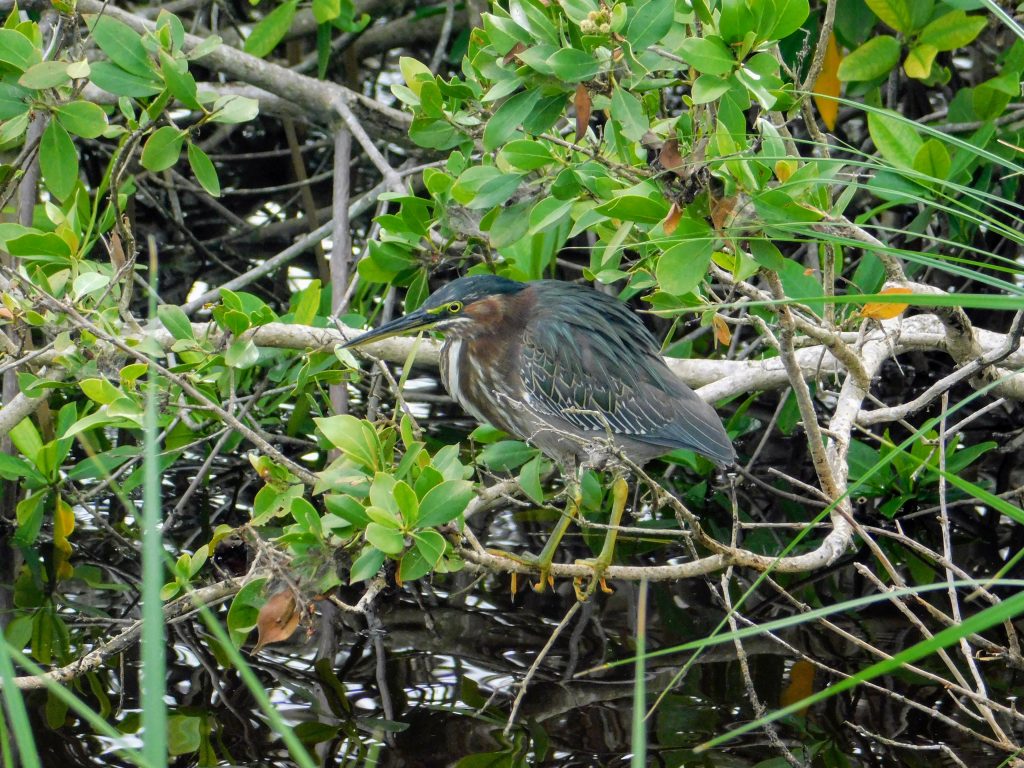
[(672, 220), (722, 333), (826, 87), (801, 684), (876, 310)]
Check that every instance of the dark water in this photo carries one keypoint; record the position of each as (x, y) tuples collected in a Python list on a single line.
[(430, 682)]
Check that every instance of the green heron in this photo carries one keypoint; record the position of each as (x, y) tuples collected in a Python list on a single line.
[(568, 369)]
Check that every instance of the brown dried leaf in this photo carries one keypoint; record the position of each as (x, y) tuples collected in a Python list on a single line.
[(876, 310), (721, 210), (278, 619), (116, 251), (582, 103), (675, 213), (670, 158), (516, 50), (723, 334)]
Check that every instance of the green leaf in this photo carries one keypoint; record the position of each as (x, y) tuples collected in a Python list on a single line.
[(271, 30), (627, 109), (952, 30), (408, 504), (388, 540), (17, 50), (639, 208), (682, 267), (182, 734), (430, 545), (708, 88), (13, 468), (445, 502), (649, 23), (235, 109), (123, 46), (58, 161), (767, 254), (14, 128), (88, 282), (413, 566), (100, 391), (932, 159), (366, 565), (174, 319), (781, 18), (346, 433), (163, 148), (484, 186), (45, 74), (896, 13), (529, 480), (895, 138), (508, 117), (307, 304), (874, 59), (708, 55), (111, 78), (82, 118), (203, 169), (571, 65), (918, 63), (415, 73), (526, 154), (242, 354), (326, 10), (179, 80)]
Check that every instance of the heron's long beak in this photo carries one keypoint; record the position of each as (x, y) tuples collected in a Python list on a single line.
[(414, 321)]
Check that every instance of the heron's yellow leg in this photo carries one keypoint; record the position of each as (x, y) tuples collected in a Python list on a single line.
[(547, 555), (599, 564)]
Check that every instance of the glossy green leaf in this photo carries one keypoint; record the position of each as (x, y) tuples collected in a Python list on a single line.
[(627, 109), (649, 23), (163, 148), (918, 63), (366, 565), (179, 80), (508, 117), (952, 30), (203, 169), (17, 50), (122, 44), (874, 59), (708, 88), (444, 503), (271, 30), (571, 65), (100, 391), (526, 154), (58, 161), (235, 109), (174, 319), (896, 13), (682, 267), (113, 79), (346, 433), (933, 160), (82, 118), (708, 55), (387, 540), (895, 138)]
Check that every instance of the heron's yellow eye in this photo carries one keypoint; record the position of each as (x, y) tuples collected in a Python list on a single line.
[(454, 307)]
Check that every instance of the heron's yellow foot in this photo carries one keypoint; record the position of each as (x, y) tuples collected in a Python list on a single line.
[(547, 555), (599, 564)]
